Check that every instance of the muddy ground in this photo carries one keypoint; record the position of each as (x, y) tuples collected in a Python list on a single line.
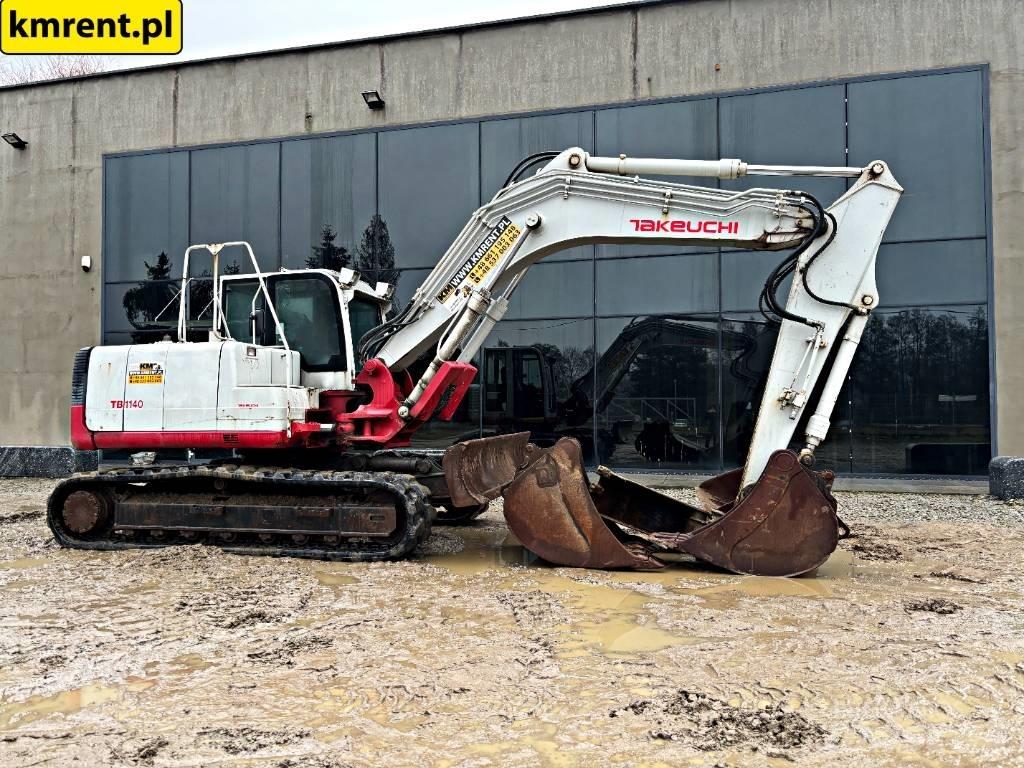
[(907, 648)]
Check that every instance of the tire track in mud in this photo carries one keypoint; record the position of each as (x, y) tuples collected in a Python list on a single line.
[(474, 655)]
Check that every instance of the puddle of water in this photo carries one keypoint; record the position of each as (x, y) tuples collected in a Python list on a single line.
[(22, 563), (767, 586), (840, 565), (329, 579), (37, 707), (482, 553), (608, 618), (185, 664)]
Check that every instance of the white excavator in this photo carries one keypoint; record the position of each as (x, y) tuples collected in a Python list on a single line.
[(302, 375)]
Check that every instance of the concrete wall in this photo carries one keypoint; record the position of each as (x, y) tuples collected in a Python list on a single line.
[(50, 196)]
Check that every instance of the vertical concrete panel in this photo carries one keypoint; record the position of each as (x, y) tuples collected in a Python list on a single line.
[(421, 79), (546, 65), (246, 99), (337, 78), (1006, 107)]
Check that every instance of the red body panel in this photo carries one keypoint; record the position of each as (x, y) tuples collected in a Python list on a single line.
[(85, 440), (450, 376), (81, 437), (375, 422)]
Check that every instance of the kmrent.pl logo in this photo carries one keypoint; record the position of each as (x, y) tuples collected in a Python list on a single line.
[(90, 26)]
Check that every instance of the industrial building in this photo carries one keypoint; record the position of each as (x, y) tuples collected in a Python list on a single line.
[(373, 154)]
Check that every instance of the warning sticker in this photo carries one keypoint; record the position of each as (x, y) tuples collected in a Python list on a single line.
[(147, 373), (484, 258)]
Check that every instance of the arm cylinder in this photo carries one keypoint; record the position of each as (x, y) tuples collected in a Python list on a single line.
[(727, 168), (630, 166)]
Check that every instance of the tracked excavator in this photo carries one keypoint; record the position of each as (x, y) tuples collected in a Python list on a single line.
[(309, 383)]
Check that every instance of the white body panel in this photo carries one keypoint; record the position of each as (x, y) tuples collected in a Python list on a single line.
[(190, 391), (251, 395), (212, 386), (104, 400), (144, 388)]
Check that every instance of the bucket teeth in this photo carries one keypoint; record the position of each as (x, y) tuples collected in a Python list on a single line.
[(785, 524)]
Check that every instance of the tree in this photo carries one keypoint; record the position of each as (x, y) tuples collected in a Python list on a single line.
[(376, 253), (328, 255), (31, 69), (375, 257)]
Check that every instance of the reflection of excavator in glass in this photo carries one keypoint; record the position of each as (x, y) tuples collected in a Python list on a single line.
[(521, 392), (306, 380)]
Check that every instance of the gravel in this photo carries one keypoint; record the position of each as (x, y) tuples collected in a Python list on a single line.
[(898, 508)]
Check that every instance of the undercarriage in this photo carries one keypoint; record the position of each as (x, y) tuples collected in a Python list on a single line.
[(251, 510)]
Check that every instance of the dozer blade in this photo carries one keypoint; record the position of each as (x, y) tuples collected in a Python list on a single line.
[(549, 509), (478, 470)]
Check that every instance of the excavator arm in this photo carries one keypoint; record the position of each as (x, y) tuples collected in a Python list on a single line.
[(579, 199), (775, 515)]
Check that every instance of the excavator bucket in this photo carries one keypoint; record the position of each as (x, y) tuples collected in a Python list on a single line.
[(549, 509), (784, 525), (478, 470)]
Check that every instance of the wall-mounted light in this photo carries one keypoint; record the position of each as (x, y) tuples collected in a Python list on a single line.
[(14, 140), (373, 100)]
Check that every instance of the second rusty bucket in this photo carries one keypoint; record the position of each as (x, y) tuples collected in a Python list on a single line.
[(784, 525)]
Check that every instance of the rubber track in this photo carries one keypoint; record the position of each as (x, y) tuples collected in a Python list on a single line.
[(418, 511)]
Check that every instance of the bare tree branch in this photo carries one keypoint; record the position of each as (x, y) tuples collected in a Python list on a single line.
[(31, 69)]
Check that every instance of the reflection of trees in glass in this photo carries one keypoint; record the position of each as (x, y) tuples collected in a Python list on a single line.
[(923, 366), (200, 290), (152, 305), (672, 371), (567, 364), (148, 299), (328, 254), (375, 257)]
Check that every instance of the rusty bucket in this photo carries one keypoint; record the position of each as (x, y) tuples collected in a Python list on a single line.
[(783, 525), (478, 470)]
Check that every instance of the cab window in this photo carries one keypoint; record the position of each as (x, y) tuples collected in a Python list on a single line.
[(363, 317), (306, 307), (238, 295)]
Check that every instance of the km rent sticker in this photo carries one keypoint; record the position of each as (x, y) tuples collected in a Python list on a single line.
[(90, 26), (484, 258), (147, 373)]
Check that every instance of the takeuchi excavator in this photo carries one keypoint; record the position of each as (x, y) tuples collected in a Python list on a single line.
[(307, 379)]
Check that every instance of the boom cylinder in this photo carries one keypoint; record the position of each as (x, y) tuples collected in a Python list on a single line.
[(475, 307)]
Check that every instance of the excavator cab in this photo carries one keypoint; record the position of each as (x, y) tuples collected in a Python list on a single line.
[(322, 314)]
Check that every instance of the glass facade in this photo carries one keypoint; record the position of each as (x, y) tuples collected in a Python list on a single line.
[(654, 357)]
